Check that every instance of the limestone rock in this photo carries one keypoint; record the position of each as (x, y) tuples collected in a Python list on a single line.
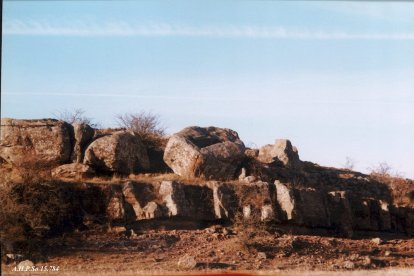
[(282, 151), (120, 152), (142, 197), (302, 206), (116, 208), (286, 201), (26, 264), (252, 153), (83, 134), (45, 141), (211, 153), (73, 170), (339, 212), (186, 262), (188, 201), (254, 199)]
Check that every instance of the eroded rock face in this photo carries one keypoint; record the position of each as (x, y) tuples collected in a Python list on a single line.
[(249, 201), (120, 152), (282, 151), (339, 212), (211, 153), (83, 137), (45, 141), (73, 170)]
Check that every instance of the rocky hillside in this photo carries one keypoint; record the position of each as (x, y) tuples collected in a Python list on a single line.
[(216, 180)]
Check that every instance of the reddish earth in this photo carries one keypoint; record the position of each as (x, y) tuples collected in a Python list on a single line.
[(225, 250)]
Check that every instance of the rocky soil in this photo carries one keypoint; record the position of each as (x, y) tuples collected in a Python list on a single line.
[(222, 249)]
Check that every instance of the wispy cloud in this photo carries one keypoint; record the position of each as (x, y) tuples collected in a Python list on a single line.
[(42, 28)]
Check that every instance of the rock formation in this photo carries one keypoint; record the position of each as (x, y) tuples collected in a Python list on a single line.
[(282, 151), (210, 153), (83, 135), (275, 187), (121, 152), (46, 141)]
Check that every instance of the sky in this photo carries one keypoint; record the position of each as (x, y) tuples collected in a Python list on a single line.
[(334, 77)]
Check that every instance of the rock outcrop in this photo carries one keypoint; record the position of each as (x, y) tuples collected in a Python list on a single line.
[(279, 204), (83, 135), (121, 152), (46, 142), (210, 153), (282, 151)]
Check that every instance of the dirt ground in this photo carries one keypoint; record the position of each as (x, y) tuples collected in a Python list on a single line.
[(228, 250)]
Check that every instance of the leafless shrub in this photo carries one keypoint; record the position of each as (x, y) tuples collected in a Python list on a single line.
[(349, 163), (146, 125), (32, 211), (75, 116), (382, 169), (31, 168)]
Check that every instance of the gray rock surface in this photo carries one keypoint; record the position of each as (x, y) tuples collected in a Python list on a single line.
[(210, 153), (45, 141), (283, 151), (120, 152), (83, 135)]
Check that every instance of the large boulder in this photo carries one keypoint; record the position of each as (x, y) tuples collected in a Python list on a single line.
[(120, 152), (44, 141), (281, 151), (210, 153), (83, 137)]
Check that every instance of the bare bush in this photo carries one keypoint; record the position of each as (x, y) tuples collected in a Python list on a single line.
[(76, 116), (349, 163), (146, 125), (382, 169), (32, 211)]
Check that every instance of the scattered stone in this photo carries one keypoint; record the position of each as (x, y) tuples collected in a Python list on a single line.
[(348, 265), (261, 256), (26, 264), (13, 257), (367, 261), (186, 262), (118, 229), (376, 241), (387, 253)]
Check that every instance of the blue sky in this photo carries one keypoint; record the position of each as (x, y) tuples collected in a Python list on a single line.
[(335, 77)]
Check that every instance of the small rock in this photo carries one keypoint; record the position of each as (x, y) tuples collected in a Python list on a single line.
[(186, 262), (250, 179), (261, 256), (367, 261), (387, 253), (24, 264), (14, 257), (354, 257), (377, 241), (118, 229), (348, 265)]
